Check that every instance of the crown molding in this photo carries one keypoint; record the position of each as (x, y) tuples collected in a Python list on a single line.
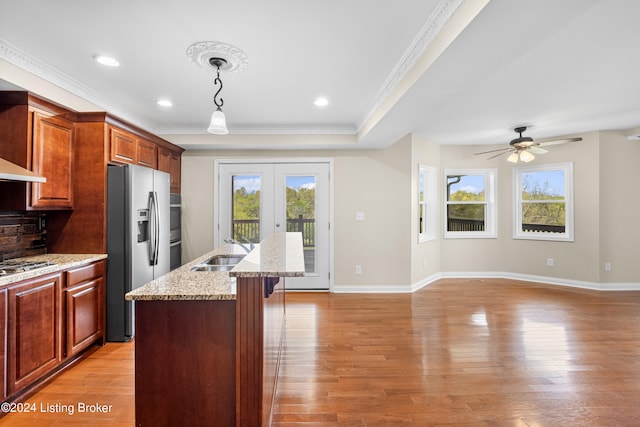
[(32, 65), (266, 130), (444, 11)]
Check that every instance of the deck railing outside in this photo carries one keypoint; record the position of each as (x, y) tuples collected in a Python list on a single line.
[(455, 224), (250, 229)]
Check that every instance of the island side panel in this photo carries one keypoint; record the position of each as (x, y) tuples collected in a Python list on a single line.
[(274, 315), (260, 317), (184, 363), (249, 350)]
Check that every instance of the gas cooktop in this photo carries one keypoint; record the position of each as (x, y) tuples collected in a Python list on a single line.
[(14, 266)]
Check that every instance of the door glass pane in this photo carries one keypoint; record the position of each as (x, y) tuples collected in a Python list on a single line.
[(301, 214), (245, 214)]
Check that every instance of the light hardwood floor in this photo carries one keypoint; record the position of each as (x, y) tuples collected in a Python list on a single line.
[(456, 353)]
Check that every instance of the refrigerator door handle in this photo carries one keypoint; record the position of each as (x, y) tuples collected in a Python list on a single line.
[(153, 229), (157, 228)]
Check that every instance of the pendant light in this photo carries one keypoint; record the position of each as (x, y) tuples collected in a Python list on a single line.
[(218, 125), (218, 56)]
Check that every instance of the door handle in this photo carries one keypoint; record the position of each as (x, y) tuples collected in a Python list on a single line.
[(277, 224)]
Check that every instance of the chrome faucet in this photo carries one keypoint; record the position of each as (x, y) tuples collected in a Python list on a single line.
[(235, 242)]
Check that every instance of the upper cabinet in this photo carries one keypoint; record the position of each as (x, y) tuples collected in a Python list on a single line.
[(147, 154), (126, 147), (39, 136), (169, 161), (52, 157)]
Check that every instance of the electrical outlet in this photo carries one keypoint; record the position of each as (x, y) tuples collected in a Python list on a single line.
[(549, 262), (359, 216), (607, 266), (358, 269)]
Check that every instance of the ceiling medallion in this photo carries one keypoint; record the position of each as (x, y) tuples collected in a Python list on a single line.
[(235, 59)]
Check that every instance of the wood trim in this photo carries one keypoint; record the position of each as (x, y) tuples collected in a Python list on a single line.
[(249, 350)]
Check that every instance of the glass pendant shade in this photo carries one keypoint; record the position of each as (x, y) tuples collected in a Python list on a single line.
[(218, 125), (513, 158), (526, 156)]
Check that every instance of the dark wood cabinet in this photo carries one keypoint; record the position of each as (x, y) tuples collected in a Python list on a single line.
[(84, 307), (169, 161), (34, 330), (47, 322), (147, 154), (52, 158), (127, 147), (124, 146), (39, 136)]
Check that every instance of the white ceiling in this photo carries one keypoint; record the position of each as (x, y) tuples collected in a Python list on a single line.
[(388, 67)]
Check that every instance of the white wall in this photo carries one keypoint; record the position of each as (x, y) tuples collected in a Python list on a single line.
[(425, 256), (619, 208), (383, 185), (375, 182)]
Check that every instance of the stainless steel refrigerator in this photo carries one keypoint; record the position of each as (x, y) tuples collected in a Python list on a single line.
[(137, 240)]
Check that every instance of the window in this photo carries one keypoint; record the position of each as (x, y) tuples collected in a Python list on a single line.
[(470, 206), (426, 203), (544, 202)]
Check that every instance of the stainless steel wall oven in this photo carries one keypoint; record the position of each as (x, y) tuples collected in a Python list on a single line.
[(175, 246)]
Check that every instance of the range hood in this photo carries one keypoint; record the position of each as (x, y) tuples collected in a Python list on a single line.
[(12, 172)]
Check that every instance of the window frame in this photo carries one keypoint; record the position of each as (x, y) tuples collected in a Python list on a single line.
[(428, 203), (518, 233), (490, 202)]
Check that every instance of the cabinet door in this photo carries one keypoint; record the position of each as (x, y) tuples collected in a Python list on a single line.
[(124, 147), (168, 161), (34, 345), (52, 157), (83, 315), (147, 154)]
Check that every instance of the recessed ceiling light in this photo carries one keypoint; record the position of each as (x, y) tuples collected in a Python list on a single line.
[(321, 102), (108, 61), (165, 103)]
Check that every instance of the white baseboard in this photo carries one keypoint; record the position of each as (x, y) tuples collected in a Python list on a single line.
[(614, 286)]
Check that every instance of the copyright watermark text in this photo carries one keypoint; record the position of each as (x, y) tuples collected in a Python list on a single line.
[(57, 408)]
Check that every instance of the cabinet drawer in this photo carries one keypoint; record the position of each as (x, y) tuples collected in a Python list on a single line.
[(84, 273)]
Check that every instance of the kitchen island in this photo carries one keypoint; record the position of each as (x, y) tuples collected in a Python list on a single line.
[(207, 344)]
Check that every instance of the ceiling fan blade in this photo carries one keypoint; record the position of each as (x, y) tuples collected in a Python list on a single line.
[(498, 155), (537, 150), (494, 151), (558, 141)]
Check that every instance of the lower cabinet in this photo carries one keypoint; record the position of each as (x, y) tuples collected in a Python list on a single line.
[(46, 321), (34, 343), (84, 307)]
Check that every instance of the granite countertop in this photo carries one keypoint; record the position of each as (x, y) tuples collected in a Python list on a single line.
[(61, 262), (279, 255)]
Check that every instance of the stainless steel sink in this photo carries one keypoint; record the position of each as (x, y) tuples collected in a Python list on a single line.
[(224, 260), (219, 263), (209, 267)]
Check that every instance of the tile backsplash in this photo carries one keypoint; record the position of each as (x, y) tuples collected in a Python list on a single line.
[(22, 234)]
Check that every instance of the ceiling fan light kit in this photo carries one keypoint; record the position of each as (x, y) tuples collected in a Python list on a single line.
[(523, 148), (219, 57)]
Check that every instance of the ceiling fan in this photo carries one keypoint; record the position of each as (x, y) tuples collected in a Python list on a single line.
[(523, 148)]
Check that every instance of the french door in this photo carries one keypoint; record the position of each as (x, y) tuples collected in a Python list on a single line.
[(256, 199)]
